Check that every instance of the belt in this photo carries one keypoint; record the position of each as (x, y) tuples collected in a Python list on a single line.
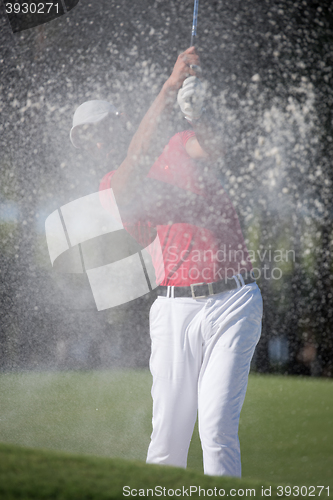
[(202, 290)]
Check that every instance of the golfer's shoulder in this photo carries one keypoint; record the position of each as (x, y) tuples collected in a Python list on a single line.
[(106, 180), (181, 138), (180, 142)]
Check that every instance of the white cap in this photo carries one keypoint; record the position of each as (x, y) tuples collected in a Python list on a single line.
[(91, 112)]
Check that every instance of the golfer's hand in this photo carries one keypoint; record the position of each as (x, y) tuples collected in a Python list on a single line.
[(182, 69), (191, 98)]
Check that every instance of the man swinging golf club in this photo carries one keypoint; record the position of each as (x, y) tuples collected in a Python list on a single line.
[(206, 321)]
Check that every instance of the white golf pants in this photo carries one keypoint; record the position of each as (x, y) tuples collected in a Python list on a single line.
[(200, 361)]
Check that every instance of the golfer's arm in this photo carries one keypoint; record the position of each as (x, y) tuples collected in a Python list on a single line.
[(209, 140), (144, 144)]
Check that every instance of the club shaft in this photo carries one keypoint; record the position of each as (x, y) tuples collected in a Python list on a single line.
[(195, 22)]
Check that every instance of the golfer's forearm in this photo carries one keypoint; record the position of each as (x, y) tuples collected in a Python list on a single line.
[(143, 148), (148, 132)]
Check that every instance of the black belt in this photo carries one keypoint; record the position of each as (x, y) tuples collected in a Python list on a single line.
[(202, 290)]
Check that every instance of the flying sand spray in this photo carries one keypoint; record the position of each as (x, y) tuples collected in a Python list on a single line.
[(70, 230)]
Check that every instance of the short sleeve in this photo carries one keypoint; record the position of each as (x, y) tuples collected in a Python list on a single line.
[(186, 135)]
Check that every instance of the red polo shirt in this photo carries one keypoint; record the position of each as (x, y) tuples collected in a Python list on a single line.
[(196, 223)]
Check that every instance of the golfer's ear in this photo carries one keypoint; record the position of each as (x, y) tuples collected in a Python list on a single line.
[(194, 150)]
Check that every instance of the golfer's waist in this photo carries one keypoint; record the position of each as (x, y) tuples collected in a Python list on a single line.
[(202, 290)]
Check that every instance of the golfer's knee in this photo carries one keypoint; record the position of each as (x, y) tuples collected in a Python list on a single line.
[(218, 436)]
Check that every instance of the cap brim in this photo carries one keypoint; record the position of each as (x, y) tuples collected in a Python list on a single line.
[(90, 112), (72, 137)]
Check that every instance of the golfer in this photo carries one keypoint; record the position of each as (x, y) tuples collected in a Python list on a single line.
[(206, 321)]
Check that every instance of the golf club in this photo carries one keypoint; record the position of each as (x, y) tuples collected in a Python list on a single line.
[(195, 22)]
